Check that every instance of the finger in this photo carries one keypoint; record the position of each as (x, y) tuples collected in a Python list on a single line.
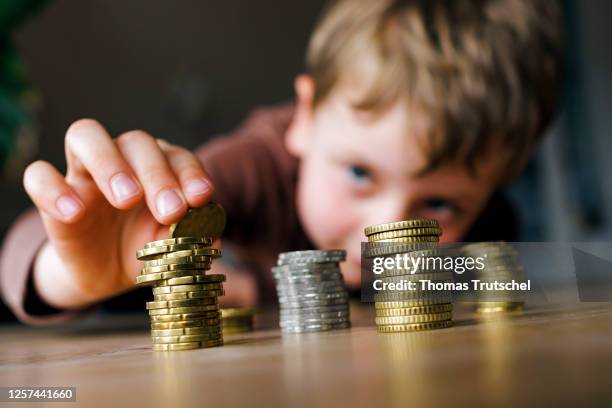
[(194, 180), (90, 151), (51, 194), (162, 190)]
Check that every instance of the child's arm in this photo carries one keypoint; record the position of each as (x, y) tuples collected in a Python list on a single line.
[(117, 194), (254, 180)]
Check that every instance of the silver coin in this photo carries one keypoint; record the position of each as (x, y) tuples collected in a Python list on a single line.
[(316, 327), (301, 267), (313, 303), (309, 284), (312, 253), (320, 316), (288, 291), (313, 296), (317, 309), (310, 280), (303, 321)]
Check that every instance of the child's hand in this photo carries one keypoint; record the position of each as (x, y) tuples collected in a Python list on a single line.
[(115, 197)]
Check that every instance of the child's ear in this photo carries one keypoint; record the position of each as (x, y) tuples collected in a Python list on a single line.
[(298, 133)]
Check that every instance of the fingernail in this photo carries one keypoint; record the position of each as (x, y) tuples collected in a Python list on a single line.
[(168, 201), (196, 187), (67, 206), (123, 187)]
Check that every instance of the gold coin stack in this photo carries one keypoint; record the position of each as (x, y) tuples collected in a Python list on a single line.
[(237, 319), (410, 310), (184, 312), (501, 265)]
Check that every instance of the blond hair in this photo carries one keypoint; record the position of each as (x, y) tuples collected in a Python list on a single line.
[(479, 69)]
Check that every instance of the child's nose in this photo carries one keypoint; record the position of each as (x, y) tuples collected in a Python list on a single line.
[(388, 210)]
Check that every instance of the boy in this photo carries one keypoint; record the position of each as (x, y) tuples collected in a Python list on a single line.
[(410, 109)]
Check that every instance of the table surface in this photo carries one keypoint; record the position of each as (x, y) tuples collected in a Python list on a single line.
[(549, 354)]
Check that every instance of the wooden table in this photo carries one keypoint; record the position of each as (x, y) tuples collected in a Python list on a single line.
[(554, 355)]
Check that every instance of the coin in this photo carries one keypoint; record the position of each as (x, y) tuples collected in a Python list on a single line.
[(176, 346), (373, 249), (206, 221), (415, 310), (337, 253), (162, 304), (395, 328), (212, 252), (210, 314), (393, 304), (238, 311), (187, 346), (425, 238), (182, 310), (412, 232), (438, 276), (187, 288), (180, 240), (315, 327), (158, 251), (185, 324), (419, 318), (175, 261), (189, 295), (152, 277), (195, 279), (186, 331), (426, 296), (201, 266), (399, 225)]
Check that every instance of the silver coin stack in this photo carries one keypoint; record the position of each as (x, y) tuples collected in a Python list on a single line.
[(311, 291)]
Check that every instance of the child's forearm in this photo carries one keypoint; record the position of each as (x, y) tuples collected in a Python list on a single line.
[(54, 283)]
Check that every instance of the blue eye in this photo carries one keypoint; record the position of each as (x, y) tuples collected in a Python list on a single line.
[(359, 173), (440, 204)]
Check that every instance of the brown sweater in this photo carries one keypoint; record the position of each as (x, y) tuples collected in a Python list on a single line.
[(255, 179)]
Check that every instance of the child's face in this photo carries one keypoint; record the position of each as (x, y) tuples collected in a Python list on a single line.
[(358, 169)]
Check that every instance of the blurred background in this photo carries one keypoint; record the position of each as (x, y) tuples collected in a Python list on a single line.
[(186, 70)]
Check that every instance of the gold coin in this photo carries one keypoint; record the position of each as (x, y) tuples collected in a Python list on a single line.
[(396, 328), (182, 310), (177, 346), (146, 254), (180, 240), (213, 313), (421, 223), (177, 261), (181, 303), (198, 287), (187, 338), (185, 324), (230, 312), (202, 330), (206, 221), (212, 252), (396, 304), (237, 329), (437, 296), (195, 280), (201, 266), (415, 310), (438, 276), (425, 238), (419, 318), (412, 232), (187, 346), (374, 249), (152, 277), (189, 295)]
